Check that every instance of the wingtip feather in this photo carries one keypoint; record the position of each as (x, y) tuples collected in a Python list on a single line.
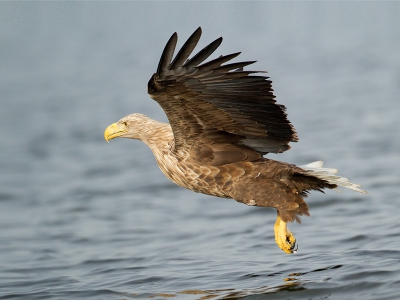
[(186, 49), (167, 54), (203, 54)]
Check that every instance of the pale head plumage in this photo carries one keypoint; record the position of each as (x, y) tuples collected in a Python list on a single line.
[(134, 126)]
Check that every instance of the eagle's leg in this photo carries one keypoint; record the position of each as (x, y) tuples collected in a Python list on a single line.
[(284, 237)]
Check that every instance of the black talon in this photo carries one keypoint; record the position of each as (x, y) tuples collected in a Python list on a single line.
[(294, 245)]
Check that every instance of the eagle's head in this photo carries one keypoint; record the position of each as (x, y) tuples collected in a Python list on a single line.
[(131, 127)]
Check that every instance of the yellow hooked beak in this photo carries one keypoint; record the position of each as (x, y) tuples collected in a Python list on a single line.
[(114, 130)]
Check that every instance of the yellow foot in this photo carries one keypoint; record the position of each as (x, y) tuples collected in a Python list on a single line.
[(284, 237)]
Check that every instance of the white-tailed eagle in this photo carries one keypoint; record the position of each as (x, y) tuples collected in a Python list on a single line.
[(222, 121)]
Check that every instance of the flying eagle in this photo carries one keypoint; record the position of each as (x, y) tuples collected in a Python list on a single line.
[(222, 121)]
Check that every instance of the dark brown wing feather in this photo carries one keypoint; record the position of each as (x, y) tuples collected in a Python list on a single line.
[(218, 113)]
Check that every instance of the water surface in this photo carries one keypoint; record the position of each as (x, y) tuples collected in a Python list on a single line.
[(83, 219)]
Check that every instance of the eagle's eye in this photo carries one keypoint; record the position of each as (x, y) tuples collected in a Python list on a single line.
[(125, 123)]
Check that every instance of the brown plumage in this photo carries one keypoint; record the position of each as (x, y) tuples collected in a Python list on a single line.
[(222, 121)]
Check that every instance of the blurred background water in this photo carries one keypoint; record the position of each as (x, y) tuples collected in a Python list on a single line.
[(83, 219)]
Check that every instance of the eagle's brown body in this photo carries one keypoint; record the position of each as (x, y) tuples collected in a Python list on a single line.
[(261, 182), (222, 121)]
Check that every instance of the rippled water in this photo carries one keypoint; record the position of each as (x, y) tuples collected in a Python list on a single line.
[(83, 219)]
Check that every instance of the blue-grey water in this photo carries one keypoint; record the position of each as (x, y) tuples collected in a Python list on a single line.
[(83, 219)]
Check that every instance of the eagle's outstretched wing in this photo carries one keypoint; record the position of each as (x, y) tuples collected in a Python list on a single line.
[(218, 113)]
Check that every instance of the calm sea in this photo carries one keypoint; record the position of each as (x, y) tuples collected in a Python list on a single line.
[(83, 219)]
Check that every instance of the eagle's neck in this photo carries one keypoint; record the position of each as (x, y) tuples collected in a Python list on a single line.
[(158, 136)]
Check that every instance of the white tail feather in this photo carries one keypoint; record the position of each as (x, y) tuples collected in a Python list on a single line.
[(329, 175)]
